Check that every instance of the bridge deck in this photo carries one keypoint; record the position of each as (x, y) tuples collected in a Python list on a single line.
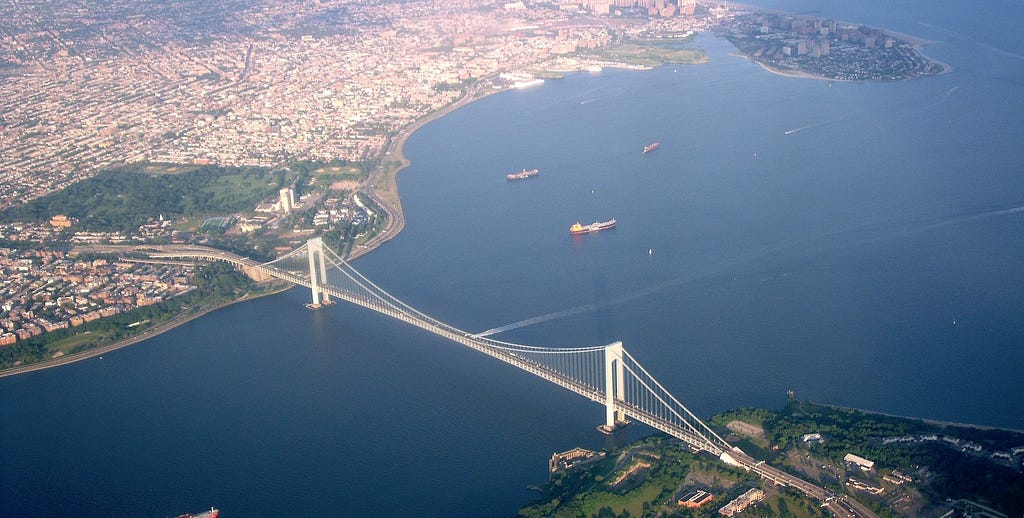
[(381, 303)]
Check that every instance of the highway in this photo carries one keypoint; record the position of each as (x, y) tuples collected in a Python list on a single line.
[(841, 505)]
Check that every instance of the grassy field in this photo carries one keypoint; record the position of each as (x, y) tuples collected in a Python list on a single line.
[(233, 184), (336, 173), (122, 199), (67, 344), (230, 189), (650, 55), (784, 504), (188, 224), (168, 168)]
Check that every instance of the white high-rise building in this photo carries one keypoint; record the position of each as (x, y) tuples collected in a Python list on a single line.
[(287, 200)]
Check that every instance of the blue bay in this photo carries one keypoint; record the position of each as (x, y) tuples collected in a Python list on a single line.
[(788, 234)]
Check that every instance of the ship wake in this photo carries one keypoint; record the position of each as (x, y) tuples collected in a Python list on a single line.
[(538, 319), (578, 310), (815, 125), (831, 241)]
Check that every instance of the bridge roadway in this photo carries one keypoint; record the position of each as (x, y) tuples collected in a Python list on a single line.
[(455, 335), (197, 252), (838, 504), (770, 473)]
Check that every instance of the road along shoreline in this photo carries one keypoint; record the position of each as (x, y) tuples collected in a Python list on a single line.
[(385, 175)]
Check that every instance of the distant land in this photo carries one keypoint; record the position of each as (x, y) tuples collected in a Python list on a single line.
[(894, 466), (826, 49)]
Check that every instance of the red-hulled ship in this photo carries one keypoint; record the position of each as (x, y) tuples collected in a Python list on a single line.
[(212, 513), (578, 229), (651, 147), (522, 174)]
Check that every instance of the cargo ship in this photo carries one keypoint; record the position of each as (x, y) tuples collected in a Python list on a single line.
[(522, 174), (212, 513), (578, 229), (651, 147)]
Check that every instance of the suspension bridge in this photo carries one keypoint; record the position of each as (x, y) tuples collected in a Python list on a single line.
[(605, 374)]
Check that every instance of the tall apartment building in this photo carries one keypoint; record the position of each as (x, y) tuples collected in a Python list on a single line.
[(287, 200)]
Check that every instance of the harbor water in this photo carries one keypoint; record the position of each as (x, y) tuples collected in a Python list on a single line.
[(858, 243)]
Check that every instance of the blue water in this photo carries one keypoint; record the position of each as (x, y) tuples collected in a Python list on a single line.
[(789, 234)]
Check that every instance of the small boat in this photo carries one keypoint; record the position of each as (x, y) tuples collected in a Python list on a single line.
[(651, 147), (577, 229)]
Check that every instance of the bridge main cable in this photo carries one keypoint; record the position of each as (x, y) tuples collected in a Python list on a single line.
[(583, 370)]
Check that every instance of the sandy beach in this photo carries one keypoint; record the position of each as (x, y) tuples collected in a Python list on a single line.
[(796, 74)]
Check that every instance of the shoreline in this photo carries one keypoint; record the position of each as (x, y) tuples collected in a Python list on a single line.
[(394, 161), (933, 422), (919, 44), (793, 74), (798, 74), (390, 203), (132, 340), (396, 152), (916, 42)]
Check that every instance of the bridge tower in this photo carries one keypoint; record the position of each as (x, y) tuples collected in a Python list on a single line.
[(614, 387), (315, 248)]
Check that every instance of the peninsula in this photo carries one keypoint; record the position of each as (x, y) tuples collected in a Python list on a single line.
[(893, 466), (824, 48)]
